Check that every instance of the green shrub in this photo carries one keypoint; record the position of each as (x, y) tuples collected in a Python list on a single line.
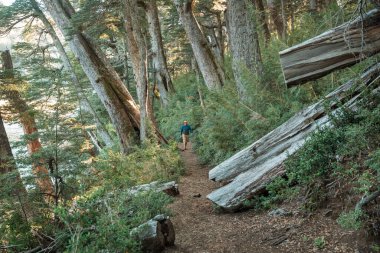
[(101, 218), (320, 242), (351, 219), (149, 163), (102, 221)]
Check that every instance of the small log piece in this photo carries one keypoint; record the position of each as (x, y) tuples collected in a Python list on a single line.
[(155, 234)]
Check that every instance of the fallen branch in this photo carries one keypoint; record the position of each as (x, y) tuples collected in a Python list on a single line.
[(366, 199)]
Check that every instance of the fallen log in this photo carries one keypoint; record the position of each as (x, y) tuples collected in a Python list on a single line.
[(170, 188), (258, 164), (155, 234), (337, 48)]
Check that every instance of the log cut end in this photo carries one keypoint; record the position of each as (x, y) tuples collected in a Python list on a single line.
[(155, 234)]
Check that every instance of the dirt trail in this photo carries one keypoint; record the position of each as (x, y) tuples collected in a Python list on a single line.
[(200, 229)]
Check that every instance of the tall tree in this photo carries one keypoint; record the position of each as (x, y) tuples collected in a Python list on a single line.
[(164, 81), (137, 48), (212, 71), (244, 43), (103, 133), (28, 123), (276, 12), (119, 103), (313, 6), (262, 19), (9, 172), (6, 157)]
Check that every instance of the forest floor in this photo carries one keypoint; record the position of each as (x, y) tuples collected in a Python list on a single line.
[(201, 229)]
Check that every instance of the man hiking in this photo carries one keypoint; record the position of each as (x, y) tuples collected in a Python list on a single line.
[(185, 131)]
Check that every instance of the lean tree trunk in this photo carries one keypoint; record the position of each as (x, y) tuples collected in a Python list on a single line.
[(211, 70), (117, 100), (10, 177), (164, 81), (277, 19), (213, 41), (7, 163), (337, 48), (262, 19), (103, 133), (255, 166), (244, 43), (29, 126)]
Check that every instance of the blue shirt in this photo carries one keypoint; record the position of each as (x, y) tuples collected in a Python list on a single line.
[(186, 129)]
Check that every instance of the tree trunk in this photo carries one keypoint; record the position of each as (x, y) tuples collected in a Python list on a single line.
[(337, 48), (138, 51), (210, 68), (164, 81), (244, 43), (262, 19), (19, 195), (313, 6), (284, 20), (255, 166), (137, 47), (29, 127), (7, 163), (213, 42), (274, 12), (70, 69), (121, 107), (219, 35)]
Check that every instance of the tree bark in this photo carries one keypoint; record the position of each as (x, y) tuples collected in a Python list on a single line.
[(19, 195), (244, 43), (121, 107), (337, 48), (29, 127), (211, 70), (274, 12), (255, 166), (263, 20), (219, 35), (164, 80), (7, 163), (313, 6), (138, 51), (137, 46), (284, 20), (106, 138)]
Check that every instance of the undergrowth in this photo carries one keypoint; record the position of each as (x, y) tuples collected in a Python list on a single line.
[(101, 215), (102, 218)]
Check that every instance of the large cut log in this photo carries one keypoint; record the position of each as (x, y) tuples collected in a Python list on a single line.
[(255, 166), (337, 48), (155, 234)]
